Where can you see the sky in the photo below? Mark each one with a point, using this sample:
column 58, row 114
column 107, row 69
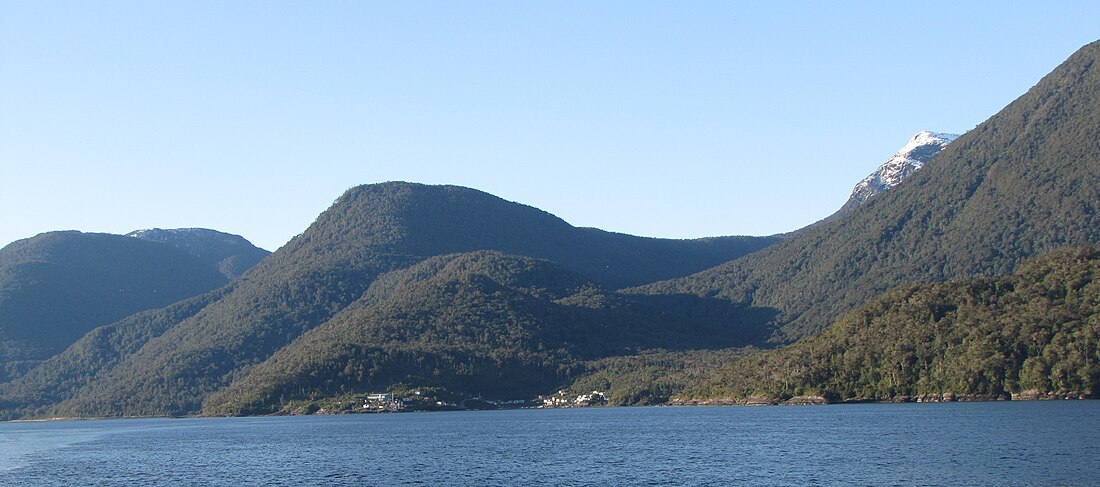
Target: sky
column 662, row 119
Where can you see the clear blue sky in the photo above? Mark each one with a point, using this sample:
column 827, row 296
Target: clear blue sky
column 667, row 119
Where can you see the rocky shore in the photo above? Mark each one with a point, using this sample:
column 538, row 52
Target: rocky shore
column 753, row 401
column 1032, row 395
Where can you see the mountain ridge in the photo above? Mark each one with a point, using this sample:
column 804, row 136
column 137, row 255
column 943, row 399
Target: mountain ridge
column 57, row 286
column 1018, row 185
column 231, row 254
column 369, row 231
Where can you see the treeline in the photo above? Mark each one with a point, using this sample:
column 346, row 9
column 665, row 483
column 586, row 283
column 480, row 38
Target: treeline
column 652, row 377
column 1034, row 332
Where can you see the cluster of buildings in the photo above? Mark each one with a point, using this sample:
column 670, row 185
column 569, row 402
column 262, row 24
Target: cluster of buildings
column 387, row 402
column 565, row 400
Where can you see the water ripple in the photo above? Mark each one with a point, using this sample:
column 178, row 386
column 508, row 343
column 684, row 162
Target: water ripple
column 1049, row 443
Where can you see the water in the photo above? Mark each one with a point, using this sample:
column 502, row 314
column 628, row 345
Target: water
column 1014, row 443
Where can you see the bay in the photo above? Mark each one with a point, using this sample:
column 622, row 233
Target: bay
column 1007, row 443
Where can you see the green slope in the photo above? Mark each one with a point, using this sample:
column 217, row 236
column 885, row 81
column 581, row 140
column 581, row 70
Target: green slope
column 61, row 376
column 57, row 286
column 411, row 222
column 476, row 324
column 1034, row 332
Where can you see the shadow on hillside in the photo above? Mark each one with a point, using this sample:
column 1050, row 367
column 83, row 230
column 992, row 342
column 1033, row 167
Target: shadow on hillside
column 695, row 322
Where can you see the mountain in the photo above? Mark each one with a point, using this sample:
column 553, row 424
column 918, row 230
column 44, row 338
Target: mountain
column 61, row 376
column 477, row 324
column 231, row 254
column 1031, row 334
column 399, row 223
column 57, row 286
column 367, row 232
column 898, row 167
column 1024, row 182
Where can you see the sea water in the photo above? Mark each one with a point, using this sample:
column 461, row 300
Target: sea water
column 1005, row 443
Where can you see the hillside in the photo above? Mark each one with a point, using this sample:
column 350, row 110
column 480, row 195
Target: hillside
column 63, row 375
column 409, row 222
column 1020, row 184
column 480, row 324
column 57, row 286
column 231, row 254
column 369, row 231
column 1035, row 333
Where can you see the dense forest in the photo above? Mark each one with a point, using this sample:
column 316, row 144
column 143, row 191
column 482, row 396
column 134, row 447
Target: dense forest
column 479, row 323
column 57, row 286
column 1035, row 333
column 62, row 376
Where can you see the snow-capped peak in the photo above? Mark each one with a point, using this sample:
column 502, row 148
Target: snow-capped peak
column 925, row 138
column 195, row 241
column 901, row 165
column 162, row 233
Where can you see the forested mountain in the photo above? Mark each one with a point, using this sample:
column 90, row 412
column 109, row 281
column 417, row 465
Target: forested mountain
column 231, row 254
column 399, row 223
column 482, row 323
column 57, row 286
column 60, row 377
column 1022, row 183
column 368, row 231
column 1034, row 333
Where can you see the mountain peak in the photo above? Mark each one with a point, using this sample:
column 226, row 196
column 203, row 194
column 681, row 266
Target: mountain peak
column 924, row 138
column 907, row 160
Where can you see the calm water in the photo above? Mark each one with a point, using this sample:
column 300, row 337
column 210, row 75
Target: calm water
column 1017, row 443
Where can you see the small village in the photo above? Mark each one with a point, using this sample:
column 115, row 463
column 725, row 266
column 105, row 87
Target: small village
column 564, row 400
column 418, row 401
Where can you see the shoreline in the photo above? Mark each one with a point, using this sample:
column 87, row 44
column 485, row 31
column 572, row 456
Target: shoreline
column 756, row 401
column 922, row 398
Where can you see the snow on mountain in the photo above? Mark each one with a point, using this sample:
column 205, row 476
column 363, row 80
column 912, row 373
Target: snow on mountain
column 901, row 165
column 191, row 240
column 231, row 254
